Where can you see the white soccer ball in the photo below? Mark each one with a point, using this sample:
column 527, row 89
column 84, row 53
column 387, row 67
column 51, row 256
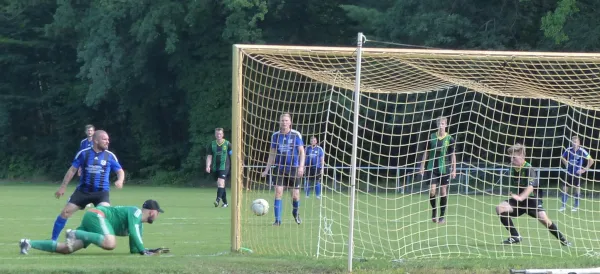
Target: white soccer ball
column 260, row 207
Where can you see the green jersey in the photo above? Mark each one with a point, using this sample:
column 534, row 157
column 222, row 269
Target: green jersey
column 221, row 159
column 522, row 177
column 440, row 151
column 125, row 221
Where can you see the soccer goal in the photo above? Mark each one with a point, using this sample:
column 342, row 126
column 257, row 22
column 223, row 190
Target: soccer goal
column 373, row 110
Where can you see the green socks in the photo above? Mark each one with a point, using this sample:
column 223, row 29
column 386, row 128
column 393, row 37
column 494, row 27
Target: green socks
column 44, row 245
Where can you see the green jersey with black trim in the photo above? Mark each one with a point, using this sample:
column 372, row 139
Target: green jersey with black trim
column 221, row 159
column 440, row 152
column 522, row 177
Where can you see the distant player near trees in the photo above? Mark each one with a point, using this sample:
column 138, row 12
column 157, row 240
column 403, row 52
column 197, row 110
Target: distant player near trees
column 87, row 142
column 573, row 158
column 218, row 162
column 438, row 166
column 526, row 198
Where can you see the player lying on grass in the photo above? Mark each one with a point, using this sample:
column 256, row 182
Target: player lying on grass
column 526, row 199
column 100, row 226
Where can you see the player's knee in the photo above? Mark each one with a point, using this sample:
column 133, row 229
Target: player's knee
column 109, row 243
column 296, row 194
column 500, row 209
column 66, row 213
column 62, row 249
column 432, row 193
column 278, row 191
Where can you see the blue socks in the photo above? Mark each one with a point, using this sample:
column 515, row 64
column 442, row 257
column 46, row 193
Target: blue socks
column 565, row 197
column 307, row 187
column 277, row 210
column 577, row 199
column 59, row 224
column 318, row 188
column 295, row 205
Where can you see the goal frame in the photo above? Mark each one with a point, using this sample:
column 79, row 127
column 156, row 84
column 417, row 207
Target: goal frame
column 237, row 165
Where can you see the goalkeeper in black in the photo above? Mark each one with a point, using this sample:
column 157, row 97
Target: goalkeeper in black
column 526, row 197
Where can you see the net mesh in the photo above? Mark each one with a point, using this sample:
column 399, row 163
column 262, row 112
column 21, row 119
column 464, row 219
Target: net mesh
column 491, row 99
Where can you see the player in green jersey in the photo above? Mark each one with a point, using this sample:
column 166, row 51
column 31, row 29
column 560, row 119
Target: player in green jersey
column 525, row 198
column 101, row 226
column 438, row 167
column 218, row 162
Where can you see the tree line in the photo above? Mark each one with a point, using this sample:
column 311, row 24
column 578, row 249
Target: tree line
column 157, row 74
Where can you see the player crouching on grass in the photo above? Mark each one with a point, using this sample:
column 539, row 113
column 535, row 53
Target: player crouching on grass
column 100, row 226
column 523, row 177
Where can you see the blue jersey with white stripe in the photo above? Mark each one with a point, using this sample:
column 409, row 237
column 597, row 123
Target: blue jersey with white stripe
column 96, row 168
column 575, row 159
column 287, row 145
column 314, row 156
column 85, row 143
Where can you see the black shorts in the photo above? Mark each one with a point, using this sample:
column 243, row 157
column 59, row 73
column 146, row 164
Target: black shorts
column 530, row 206
column 434, row 177
column 572, row 180
column 81, row 199
column 313, row 172
column 220, row 174
column 286, row 177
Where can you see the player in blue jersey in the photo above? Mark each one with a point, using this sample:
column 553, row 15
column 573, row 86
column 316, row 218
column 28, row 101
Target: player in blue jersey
column 87, row 142
column 96, row 162
column 573, row 159
column 287, row 154
column 315, row 160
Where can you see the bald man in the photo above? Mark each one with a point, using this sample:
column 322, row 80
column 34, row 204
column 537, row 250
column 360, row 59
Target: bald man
column 96, row 163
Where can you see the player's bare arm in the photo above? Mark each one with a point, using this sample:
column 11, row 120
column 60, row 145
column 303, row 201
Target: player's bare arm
column 564, row 161
column 120, row 178
column 590, row 162
column 208, row 163
column 302, row 157
column 422, row 170
column 523, row 195
column 270, row 161
column 66, row 180
column 453, row 172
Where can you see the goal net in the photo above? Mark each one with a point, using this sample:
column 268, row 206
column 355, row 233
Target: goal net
column 491, row 100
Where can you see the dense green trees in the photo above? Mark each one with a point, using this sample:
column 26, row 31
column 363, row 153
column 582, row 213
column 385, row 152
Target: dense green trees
column 156, row 74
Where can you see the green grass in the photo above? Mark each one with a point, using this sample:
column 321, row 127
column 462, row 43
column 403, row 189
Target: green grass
column 199, row 237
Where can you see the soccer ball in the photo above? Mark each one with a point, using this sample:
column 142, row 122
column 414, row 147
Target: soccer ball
column 260, row 207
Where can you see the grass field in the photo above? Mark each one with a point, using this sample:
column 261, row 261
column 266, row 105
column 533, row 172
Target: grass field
column 198, row 235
